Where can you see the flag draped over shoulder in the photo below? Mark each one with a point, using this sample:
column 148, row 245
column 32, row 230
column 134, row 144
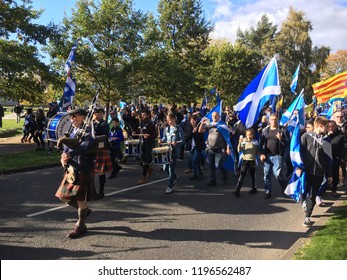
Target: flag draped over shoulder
column 265, row 86
column 224, row 131
column 70, row 85
column 331, row 87
column 294, row 83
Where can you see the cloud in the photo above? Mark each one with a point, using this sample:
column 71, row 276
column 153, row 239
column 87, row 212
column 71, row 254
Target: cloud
column 327, row 17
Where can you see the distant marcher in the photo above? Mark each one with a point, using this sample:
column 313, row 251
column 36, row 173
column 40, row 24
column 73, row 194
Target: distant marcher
column 18, row 109
column 116, row 137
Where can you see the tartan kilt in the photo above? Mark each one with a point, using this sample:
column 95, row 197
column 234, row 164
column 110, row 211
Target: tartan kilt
column 103, row 162
column 83, row 191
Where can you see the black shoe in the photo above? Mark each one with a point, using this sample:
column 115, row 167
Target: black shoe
column 100, row 196
column 267, row 195
column 236, row 193
column 253, row 191
column 211, row 183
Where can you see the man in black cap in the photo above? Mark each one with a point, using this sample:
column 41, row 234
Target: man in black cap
column 103, row 161
column 77, row 187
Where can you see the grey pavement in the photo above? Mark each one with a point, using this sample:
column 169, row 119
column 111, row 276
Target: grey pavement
column 141, row 222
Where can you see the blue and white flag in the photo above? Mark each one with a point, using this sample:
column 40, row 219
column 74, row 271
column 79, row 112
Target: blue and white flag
column 294, row 83
column 265, row 86
column 70, row 85
column 295, row 155
column 296, row 186
column 217, row 108
column 122, row 104
column 217, row 97
column 298, row 104
column 213, row 90
column 203, row 108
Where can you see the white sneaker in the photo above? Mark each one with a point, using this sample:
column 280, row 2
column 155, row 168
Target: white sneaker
column 168, row 190
column 304, row 206
column 319, row 201
column 307, row 222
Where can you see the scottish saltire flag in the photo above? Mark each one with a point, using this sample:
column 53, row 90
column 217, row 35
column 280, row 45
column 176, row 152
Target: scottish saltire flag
column 294, row 83
column 217, row 108
column 213, row 90
column 224, row 131
column 297, row 104
column 265, row 86
column 217, row 98
column 70, row 84
column 295, row 155
column 273, row 104
column 296, row 186
column 203, row 108
column 122, row 104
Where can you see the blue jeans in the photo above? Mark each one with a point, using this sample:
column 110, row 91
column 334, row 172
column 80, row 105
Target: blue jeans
column 170, row 169
column 195, row 158
column 216, row 159
column 274, row 164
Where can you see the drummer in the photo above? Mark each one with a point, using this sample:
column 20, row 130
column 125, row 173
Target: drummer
column 147, row 133
column 173, row 135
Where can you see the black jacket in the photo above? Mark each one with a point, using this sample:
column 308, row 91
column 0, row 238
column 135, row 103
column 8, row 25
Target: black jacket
column 316, row 154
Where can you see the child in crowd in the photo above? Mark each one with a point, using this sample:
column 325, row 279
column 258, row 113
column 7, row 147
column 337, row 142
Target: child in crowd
column 248, row 148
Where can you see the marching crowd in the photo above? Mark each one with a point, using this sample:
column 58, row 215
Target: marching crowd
column 212, row 140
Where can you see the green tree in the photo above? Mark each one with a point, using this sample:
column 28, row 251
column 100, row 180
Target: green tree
column 254, row 38
column 184, row 35
column 293, row 45
column 335, row 63
column 232, row 69
column 110, row 34
column 23, row 76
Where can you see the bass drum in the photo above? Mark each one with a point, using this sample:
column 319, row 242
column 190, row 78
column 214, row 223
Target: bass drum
column 58, row 125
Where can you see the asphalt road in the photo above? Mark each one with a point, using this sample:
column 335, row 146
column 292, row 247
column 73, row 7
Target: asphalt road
column 142, row 222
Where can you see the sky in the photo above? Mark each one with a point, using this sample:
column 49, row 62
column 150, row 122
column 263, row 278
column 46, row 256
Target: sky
column 328, row 17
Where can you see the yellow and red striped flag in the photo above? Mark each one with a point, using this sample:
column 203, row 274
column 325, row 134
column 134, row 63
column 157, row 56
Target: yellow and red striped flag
column 331, row 87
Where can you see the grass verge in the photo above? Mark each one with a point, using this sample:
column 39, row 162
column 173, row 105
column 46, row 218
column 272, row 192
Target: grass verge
column 329, row 243
column 10, row 128
column 11, row 162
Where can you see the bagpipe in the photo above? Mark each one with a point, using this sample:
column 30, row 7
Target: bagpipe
column 99, row 142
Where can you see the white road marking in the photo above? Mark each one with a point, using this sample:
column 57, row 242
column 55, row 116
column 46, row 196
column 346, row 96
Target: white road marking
column 108, row 194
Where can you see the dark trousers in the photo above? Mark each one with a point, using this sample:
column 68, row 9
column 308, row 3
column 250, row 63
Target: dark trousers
column 313, row 183
column 336, row 168
column 247, row 165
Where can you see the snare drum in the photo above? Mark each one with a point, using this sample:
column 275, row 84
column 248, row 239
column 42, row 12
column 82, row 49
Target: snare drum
column 132, row 147
column 58, row 125
column 161, row 155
